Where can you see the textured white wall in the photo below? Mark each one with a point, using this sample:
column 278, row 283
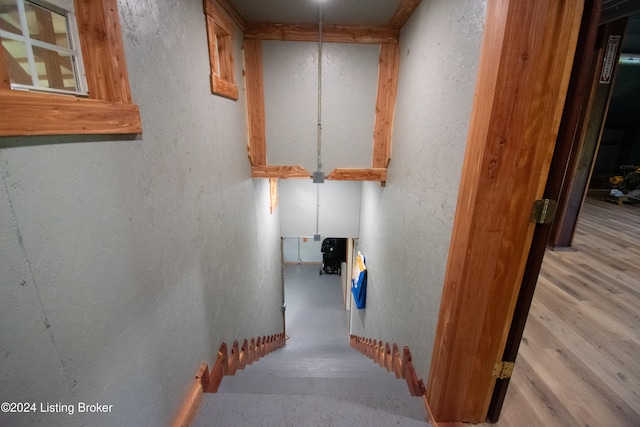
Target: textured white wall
column 339, row 208
column 349, row 84
column 406, row 226
column 126, row 262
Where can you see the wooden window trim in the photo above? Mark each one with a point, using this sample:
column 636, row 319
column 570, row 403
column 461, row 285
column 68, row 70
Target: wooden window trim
column 220, row 34
column 273, row 194
column 108, row 109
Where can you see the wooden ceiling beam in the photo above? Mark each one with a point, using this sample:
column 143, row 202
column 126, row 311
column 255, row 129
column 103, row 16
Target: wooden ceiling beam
column 403, row 14
column 358, row 174
column 283, row 172
column 330, row 33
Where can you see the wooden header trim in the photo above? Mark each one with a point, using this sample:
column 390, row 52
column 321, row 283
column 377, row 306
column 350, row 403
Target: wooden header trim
column 231, row 12
column 389, row 66
column 330, row 33
column 358, row 174
column 403, row 14
column 216, row 10
column 284, row 172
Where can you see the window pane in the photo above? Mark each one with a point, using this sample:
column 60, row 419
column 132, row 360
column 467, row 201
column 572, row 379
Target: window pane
column 55, row 70
column 9, row 19
column 15, row 56
column 46, row 25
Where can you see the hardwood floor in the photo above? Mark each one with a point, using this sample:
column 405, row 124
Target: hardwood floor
column 579, row 361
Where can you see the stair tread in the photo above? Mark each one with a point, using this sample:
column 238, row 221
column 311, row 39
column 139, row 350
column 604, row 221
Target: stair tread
column 303, row 410
column 380, row 386
column 319, row 364
column 337, row 372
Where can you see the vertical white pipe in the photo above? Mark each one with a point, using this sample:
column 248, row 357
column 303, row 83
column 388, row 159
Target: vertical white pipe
column 319, row 86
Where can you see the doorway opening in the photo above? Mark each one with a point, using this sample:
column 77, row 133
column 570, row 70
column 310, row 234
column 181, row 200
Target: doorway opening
column 316, row 291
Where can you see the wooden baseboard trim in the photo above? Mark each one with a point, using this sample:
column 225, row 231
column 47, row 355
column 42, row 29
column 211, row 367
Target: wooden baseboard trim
column 192, row 400
column 389, row 357
column 208, row 382
column 435, row 423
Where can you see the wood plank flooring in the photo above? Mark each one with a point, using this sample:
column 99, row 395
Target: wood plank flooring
column 579, row 361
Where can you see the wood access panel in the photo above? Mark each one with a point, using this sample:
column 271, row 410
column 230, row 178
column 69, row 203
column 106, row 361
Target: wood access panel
column 524, row 71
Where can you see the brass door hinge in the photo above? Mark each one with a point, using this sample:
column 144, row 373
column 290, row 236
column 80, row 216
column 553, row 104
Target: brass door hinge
column 502, row 370
column 543, row 211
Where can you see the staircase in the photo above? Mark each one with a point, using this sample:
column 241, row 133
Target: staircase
column 317, row 379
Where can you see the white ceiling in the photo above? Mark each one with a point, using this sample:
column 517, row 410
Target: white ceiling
column 337, row 12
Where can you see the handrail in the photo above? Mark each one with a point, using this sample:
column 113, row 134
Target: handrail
column 208, row 382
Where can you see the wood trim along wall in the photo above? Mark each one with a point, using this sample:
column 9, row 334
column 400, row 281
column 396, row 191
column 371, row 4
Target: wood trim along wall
column 330, row 33
column 254, row 81
column 221, row 28
column 403, row 13
column 525, row 64
column 208, row 382
column 389, row 357
column 102, row 50
column 388, row 70
column 191, row 403
column 389, row 64
column 385, row 104
column 401, row 365
column 109, row 108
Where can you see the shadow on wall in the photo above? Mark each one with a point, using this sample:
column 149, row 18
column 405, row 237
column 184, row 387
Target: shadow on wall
column 31, row 141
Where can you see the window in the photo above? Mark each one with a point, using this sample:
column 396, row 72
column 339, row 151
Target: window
column 41, row 47
column 220, row 28
column 40, row 44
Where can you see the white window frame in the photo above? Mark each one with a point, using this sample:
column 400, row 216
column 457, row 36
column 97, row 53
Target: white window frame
column 62, row 7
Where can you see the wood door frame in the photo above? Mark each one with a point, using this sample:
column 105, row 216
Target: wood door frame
column 585, row 110
column 524, row 71
column 573, row 119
